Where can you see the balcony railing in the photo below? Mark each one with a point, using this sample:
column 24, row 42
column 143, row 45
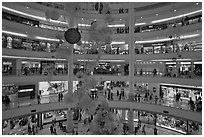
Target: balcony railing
column 54, row 98
column 140, row 73
column 34, row 72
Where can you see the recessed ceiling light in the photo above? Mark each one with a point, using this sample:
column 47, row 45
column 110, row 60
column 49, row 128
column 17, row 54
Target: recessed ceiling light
column 197, row 3
column 26, row 32
column 27, row 7
column 120, row 19
column 141, row 17
column 174, row 10
column 157, row 14
column 82, row 18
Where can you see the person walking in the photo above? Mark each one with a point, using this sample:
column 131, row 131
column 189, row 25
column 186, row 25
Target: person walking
column 61, row 96
column 7, row 101
column 155, row 131
column 51, row 129
column 38, row 98
column 191, row 104
column 143, row 130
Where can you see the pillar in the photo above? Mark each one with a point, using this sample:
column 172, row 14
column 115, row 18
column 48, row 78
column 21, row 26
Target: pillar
column 130, row 120
column 178, row 68
column 39, row 117
column 70, row 60
column 16, row 65
column 192, row 69
column 131, row 45
column 123, row 114
column 187, row 127
column 69, row 123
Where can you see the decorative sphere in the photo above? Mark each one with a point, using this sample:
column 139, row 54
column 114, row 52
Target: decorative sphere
column 72, row 35
column 54, row 15
column 47, row 14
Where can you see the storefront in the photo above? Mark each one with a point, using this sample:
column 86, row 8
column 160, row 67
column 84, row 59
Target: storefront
column 26, row 91
column 18, row 91
column 186, row 91
column 52, row 87
column 47, row 88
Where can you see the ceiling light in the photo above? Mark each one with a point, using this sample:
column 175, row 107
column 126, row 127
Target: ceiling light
column 175, row 17
column 171, row 60
column 197, row 3
column 141, row 17
column 84, row 25
column 33, row 16
column 180, row 85
column 117, row 25
column 27, row 7
column 157, row 14
column 174, row 10
column 138, row 24
column 5, row 56
column 167, row 39
column 120, row 19
column 50, row 39
column 115, row 42
column 14, row 33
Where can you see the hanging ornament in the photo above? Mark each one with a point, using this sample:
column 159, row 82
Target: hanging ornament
column 72, row 7
column 80, row 74
column 108, row 40
column 64, row 51
column 48, row 14
column 79, row 43
column 108, row 18
column 106, row 8
column 72, row 35
column 69, row 98
column 59, row 36
column 54, row 15
column 85, row 101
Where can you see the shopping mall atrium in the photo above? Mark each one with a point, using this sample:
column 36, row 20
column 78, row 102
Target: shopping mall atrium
column 101, row 68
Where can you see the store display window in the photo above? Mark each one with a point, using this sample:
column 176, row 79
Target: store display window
column 186, row 93
column 194, row 128
column 26, row 90
column 53, row 87
column 171, row 123
column 58, row 115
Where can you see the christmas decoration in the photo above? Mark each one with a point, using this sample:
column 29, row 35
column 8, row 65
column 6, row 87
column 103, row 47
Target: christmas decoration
column 72, row 35
column 54, row 15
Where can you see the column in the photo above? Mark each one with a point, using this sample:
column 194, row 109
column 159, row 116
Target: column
column 131, row 45
column 39, row 124
column 178, row 68
column 69, row 123
column 16, row 65
column 187, row 127
column 70, row 60
column 130, row 120
column 192, row 69
column 123, row 114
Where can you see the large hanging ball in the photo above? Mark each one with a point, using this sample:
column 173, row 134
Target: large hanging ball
column 55, row 15
column 72, row 35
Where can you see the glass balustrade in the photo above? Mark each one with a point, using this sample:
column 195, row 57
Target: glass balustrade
column 111, row 97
